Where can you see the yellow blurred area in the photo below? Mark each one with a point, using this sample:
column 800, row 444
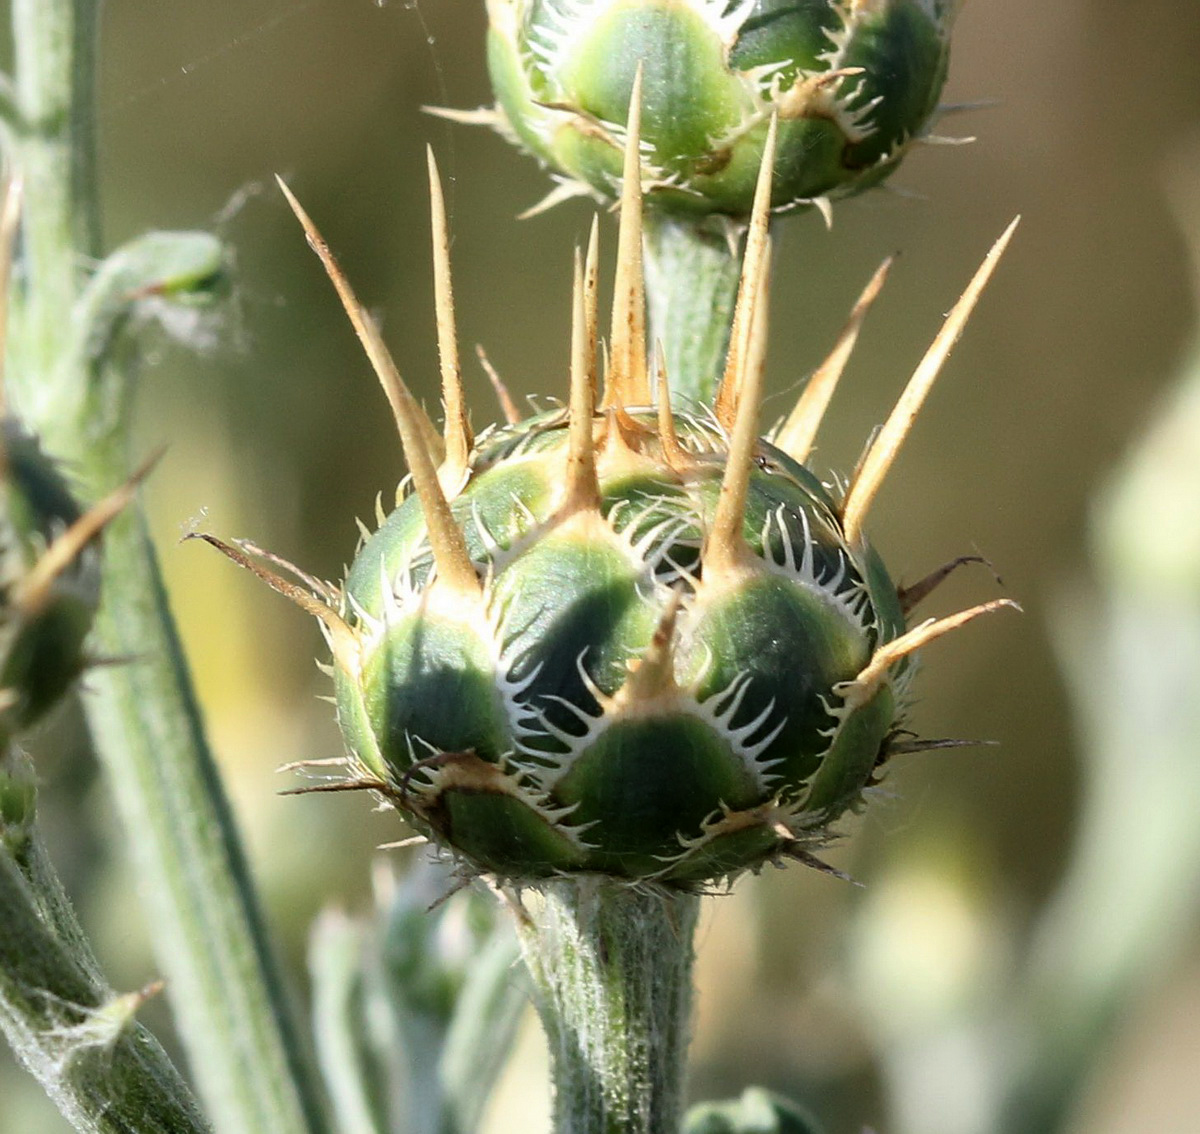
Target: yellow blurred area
column 278, row 433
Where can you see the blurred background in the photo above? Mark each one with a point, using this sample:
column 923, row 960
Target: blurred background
column 857, row 999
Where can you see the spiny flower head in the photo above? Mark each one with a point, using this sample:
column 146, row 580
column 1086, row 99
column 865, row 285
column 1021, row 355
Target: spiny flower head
column 49, row 559
column 620, row 636
column 854, row 84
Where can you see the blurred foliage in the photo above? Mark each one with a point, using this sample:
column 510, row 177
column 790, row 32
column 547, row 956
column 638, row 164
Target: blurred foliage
column 280, row 433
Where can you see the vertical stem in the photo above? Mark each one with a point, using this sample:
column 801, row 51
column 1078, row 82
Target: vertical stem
column 612, row 964
column 53, row 42
column 200, row 904
column 691, row 285
column 102, row 1069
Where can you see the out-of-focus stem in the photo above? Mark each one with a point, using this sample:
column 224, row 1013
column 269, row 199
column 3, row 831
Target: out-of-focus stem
column 53, row 45
column 1131, row 653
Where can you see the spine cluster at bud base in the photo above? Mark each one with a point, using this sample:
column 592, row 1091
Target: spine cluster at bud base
column 621, row 638
column 854, row 84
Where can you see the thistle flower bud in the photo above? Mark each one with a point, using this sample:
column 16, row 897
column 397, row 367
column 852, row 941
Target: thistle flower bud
column 46, row 602
column 854, row 83
column 616, row 637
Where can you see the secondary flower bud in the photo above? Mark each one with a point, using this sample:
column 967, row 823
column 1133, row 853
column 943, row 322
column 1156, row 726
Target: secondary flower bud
column 853, row 82
column 46, row 609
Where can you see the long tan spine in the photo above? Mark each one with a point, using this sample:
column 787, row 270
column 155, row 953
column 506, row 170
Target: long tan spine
column 591, row 298
column 343, row 640
column 652, row 676
column 33, row 591
column 863, row 687
column 457, row 436
column 668, row 437
column 508, row 407
column 626, row 382
column 583, row 489
column 796, row 435
column 758, row 239
column 726, row 547
column 449, row 547
column 882, row 454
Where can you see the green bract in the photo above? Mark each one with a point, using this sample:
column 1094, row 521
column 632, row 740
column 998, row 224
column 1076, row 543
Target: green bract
column 854, row 83
column 606, row 702
column 45, row 614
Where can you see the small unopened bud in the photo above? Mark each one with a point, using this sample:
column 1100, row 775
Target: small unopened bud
column 853, row 82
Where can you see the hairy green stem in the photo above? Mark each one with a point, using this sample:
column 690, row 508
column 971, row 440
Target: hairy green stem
column 53, row 42
column 200, row 904
column 691, row 287
column 208, row 930
column 103, row 1070
column 612, row 965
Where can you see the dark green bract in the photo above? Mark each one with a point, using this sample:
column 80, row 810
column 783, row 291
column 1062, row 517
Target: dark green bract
column 854, row 83
column 607, row 704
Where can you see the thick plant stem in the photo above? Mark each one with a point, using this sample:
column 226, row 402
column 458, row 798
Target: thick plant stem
column 73, row 390
column 691, row 286
column 612, row 965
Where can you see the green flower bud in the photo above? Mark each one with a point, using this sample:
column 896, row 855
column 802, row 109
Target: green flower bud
column 616, row 637
column 854, row 83
column 46, row 610
column 614, row 697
